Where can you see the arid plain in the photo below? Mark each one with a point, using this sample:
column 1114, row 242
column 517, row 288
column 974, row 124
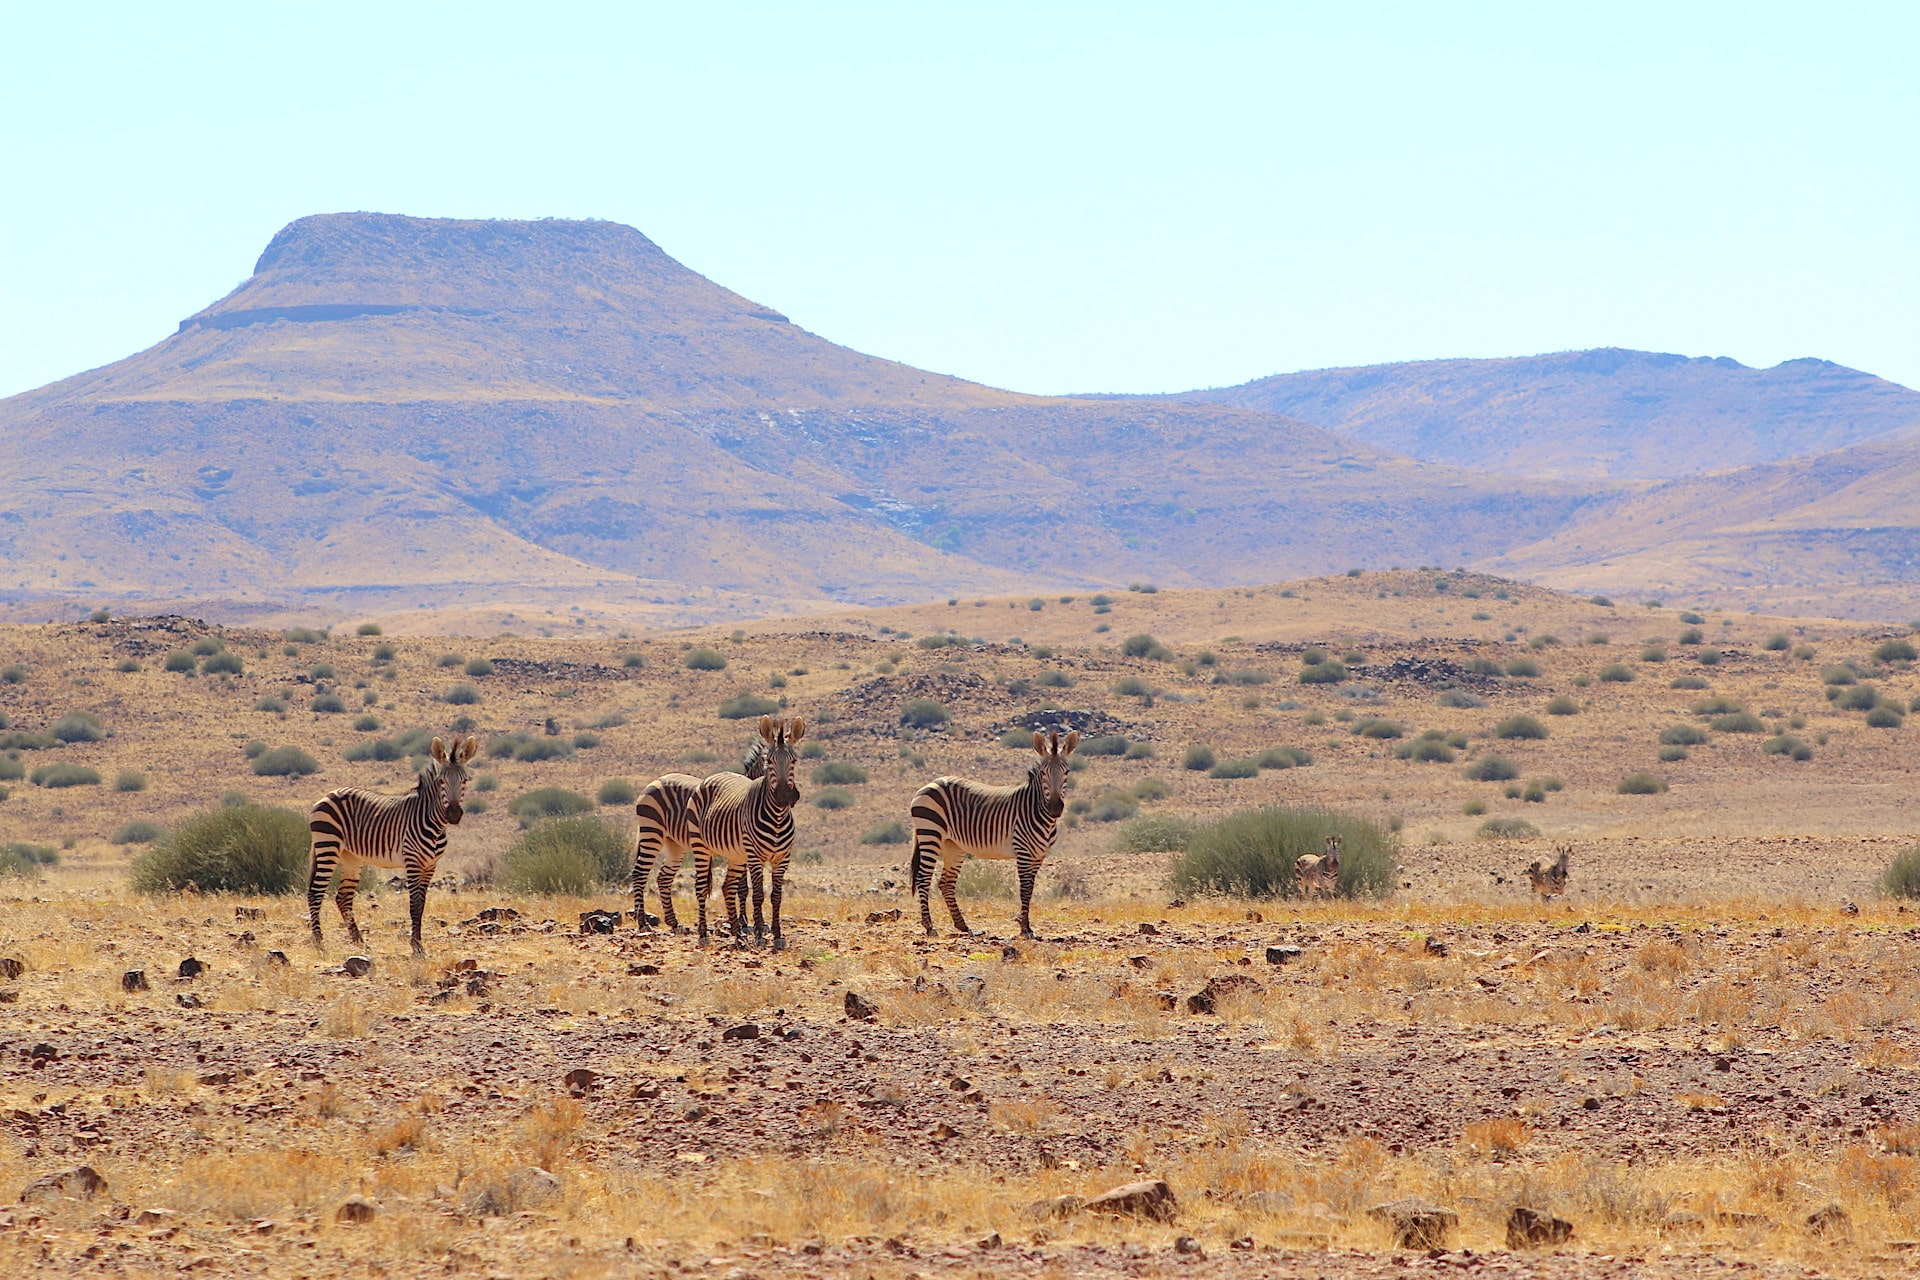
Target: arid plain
column 1704, row 1057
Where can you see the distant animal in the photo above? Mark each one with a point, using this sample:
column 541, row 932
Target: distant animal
column 1551, row 881
column 1318, row 874
column 954, row 819
column 748, row 821
column 668, row 826
column 352, row 827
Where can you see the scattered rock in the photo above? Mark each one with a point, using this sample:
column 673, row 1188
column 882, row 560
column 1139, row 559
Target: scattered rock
column 973, row 987
column 357, row 966
column 1682, row 1220
column 1243, row 1245
column 278, row 957
column 643, row 970
column 355, row 1209
column 1057, row 1208
column 1415, row 1223
column 532, row 1185
column 134, row 980
column 1207, row 998
column 1267, row 1202
column 1140, row 961
column 943, row 1131
column 249, row 913
column 11, row 968
column 1281, row 953
column 246, row 939
column 883, row 917
column 1435, row 948
column 1152, row 1199
column 78, row 1183
column 493, row 915
column 152, row 1217
column 745, row 1031
column 1530, row 1228
column 1189, row 1246
column 861, row 1009
column 217, row 1078
column 990, row 1242
column 1735, row 1218
column 10, row 996
column 1831, row 1222
column 191, row 968
column 581, row 1081
column 188, row 1000
column 1009, row 953
column 599, row 921
column 1148, row 929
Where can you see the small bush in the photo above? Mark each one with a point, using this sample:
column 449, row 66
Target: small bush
column 270, row 702
column 179, row 660
column 1251, row 854
column 1641, row 784
column 705, row 660
column 1235, row 769
column 1901, row 879
column 479, row 668
column 1688, row 682
column 1683, row 735
column 139, row 831
column 1507, row 829
column 1778, row 643
column 586, row 740
column 1139, row 751
column 1708, row 657
column 1562, row 705
column 1519, row 727
column 11, row 770
column 1837, row 675
column 127, row 665
column 923, row 713
column 1692, row 636
column 1327, row 672
column 1199, row 758
column 383, row 653
column 368, row 629
column 1862, row 697
column 1373, row 727
column 77, row 726
column 206, row 646
column 548, row 802
column 1524, row 668
column 747, row 706
column 839, row 773
column 303, row 635
column 1054, row 680
column 616, row 791
column 1132, row 687
column 461, row 695
column 449, row 660
column 1106, row 745
column 1151, row 789
column 532, row 750
column 575, row 855
column 228, row 664
column 1160, row 834
column 244, row 848
column 1284, row 758
column 1474, row 808
column 1492, row 768
column 1884, row 717
column 833, row 798
column 1893, row 651
column 894, row 832
column 1786, row 744
column 14, row 673
column 1737, row 722
column 1670, row 754
column 327, row 704
column 1145, row 646
column 1617, row 673
column 1114, row 806
column 1691, row 618
column 285, row 762
column 130, row 780
column 1465, row 698
column 1426, row 751
column 63, row 774
column 24, row 860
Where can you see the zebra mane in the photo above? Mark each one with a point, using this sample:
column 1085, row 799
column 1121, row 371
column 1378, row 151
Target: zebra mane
column 755, row 763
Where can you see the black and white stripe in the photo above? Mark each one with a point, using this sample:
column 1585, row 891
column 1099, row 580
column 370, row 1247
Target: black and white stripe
column 748, row 822
column 954, row 819
column 351, row 827
column 669, row 822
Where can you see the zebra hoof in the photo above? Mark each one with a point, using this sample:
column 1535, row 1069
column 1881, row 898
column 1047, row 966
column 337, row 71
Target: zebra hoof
column 779, row 943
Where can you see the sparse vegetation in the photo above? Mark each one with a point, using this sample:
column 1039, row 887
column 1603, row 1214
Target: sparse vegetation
column 63, row 774
column 1506, row 829
column 832, row 798
column 1641, row 784
column 245, row 848
column 284, row 762
column 574, row 855
column 1145, row 646
column 705, row 660
column 542, row 803
column 1324, row 672
column 616, row 791
column 1199, row 758
column 747, row 706
column 1519, row 727
column 138, row 831
column 923, row 713
column 1492, row 768
column 1562, row 705
column 838, row 773
column 1251, row 854
column 891, row 832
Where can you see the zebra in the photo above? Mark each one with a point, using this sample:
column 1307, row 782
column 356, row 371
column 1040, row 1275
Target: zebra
column 1550, row 882
column 352, row 826
column 747, row 820
column 954, row 819
column 1318, row 874
column 668, row 828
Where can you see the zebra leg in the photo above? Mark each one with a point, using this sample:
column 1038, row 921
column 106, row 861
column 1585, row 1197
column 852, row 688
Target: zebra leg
column 756, row 877
column 669, row 872
column 343, row 898
column 925, row 854
column 779, row 883
column 702, row 886
column 1028, row 871
column 949, row 878
column 642, row 871
column 326, row 853
column 417, row 879
column 734, row 890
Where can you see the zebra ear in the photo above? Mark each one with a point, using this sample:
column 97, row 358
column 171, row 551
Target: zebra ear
column 465, row 750
column 1040, row 743
column 797, row 730
column 1073, row 740
column 766, row 729
column 440, row 750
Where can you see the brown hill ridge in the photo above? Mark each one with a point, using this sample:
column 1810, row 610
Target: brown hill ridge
column 399, row 412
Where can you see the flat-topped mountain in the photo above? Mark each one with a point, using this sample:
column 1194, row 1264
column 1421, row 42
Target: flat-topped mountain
column 1607, row 414
column 404, row 411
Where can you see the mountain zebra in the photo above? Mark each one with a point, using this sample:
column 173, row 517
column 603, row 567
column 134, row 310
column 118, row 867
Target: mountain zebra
column 1318, row 874
column 954, row 818
column 1551, row 881
column 669, row 827
column 748, row 821
column 351, row 826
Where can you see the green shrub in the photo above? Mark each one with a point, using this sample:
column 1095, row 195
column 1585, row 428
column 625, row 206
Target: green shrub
column 1199, row 758
column 1506, row 829
column 1683, row 735
column 1114, row 806
column 1158, row 834
column 705, row 660
column 840, row 773
column 367, row 629
column 130, row 780
column 1862, row 697
column 586, row 740
column 1641, row 784
column 1246, row 676
column 747, row 706
column 14, row 673
column 548, row 802
column 1884, row 717
column 245, row 848
column 923, row 713
column 1709, row 657
column 1492, row 768
column 1616, row 673
column 1786, row 744
column 1901, row 879
column 1054, row 680
column 1461, row 698
column 270, row 702
column 223, row 664
column 633, row 661
column 1018, row 739
column 1778, row 642
column 27, row 740
column 1837, row 675
column 449, row 660
column 1653, row 653
column 253, row 749
column 1562, row 705
column 1426, row 751
column 62, row 774
column 1688, row 682
column 616, row 791
column 1737, row 722
column 1140, row 751
column 832, row 798
column 11, row 770
column 1106, row 745
column 366, row 724
column 24, row 860
column 138, row 831
column 327, row 704
column 1132, row 687
column 1328, row 672
column 479, row 667
column 1669, row 754
column 1284, row 758
column 78, row 726
column 1524, row 668
column 206, row 646
column 1692, row 635
column 1151, row 789
column 1312, row 656
column 1893, row 651
column 1474, row 808
column 894, row 832
column 383, row 653
column 575, row 856
column 1251, row 854
column 1145, row 646
column 1719, row 704
column 1690, row 617
column 303, row 635
column 285, row 762
column 414, row 742
column 1373, row 727
column 1519, row 727
column 535, row 750
column 1235, row 769
column 461, row 695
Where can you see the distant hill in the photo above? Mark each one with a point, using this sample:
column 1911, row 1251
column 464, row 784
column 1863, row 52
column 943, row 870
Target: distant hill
column 396, row 412
column 1607, row 414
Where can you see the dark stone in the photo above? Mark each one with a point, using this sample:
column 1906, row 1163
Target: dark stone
column 745, row 1031
column 1415, row 1223
column 80, row 1182
column 1152, row 1199
column 135, row 980
column 599, row 921
column 861, row 1009
column 1529, row 1228
column 356, row 966
column 191, row 968
column 1281, row 953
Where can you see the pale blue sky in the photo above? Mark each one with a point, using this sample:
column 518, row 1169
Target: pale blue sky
column 1045, row 197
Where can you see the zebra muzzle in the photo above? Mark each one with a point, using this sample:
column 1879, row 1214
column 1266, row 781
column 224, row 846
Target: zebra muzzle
column 1055, row 806
column 786, row 797
column 453, row 815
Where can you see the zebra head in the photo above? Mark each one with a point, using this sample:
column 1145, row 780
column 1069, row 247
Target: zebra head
column 445, row 781
column 778, row 738
column 1051, row 769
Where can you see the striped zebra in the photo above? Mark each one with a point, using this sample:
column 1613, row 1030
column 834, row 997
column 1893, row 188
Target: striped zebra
column 748, row 822
column 668, row 828
column 954, row 818
column 1317, row 875
column 351, row 827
